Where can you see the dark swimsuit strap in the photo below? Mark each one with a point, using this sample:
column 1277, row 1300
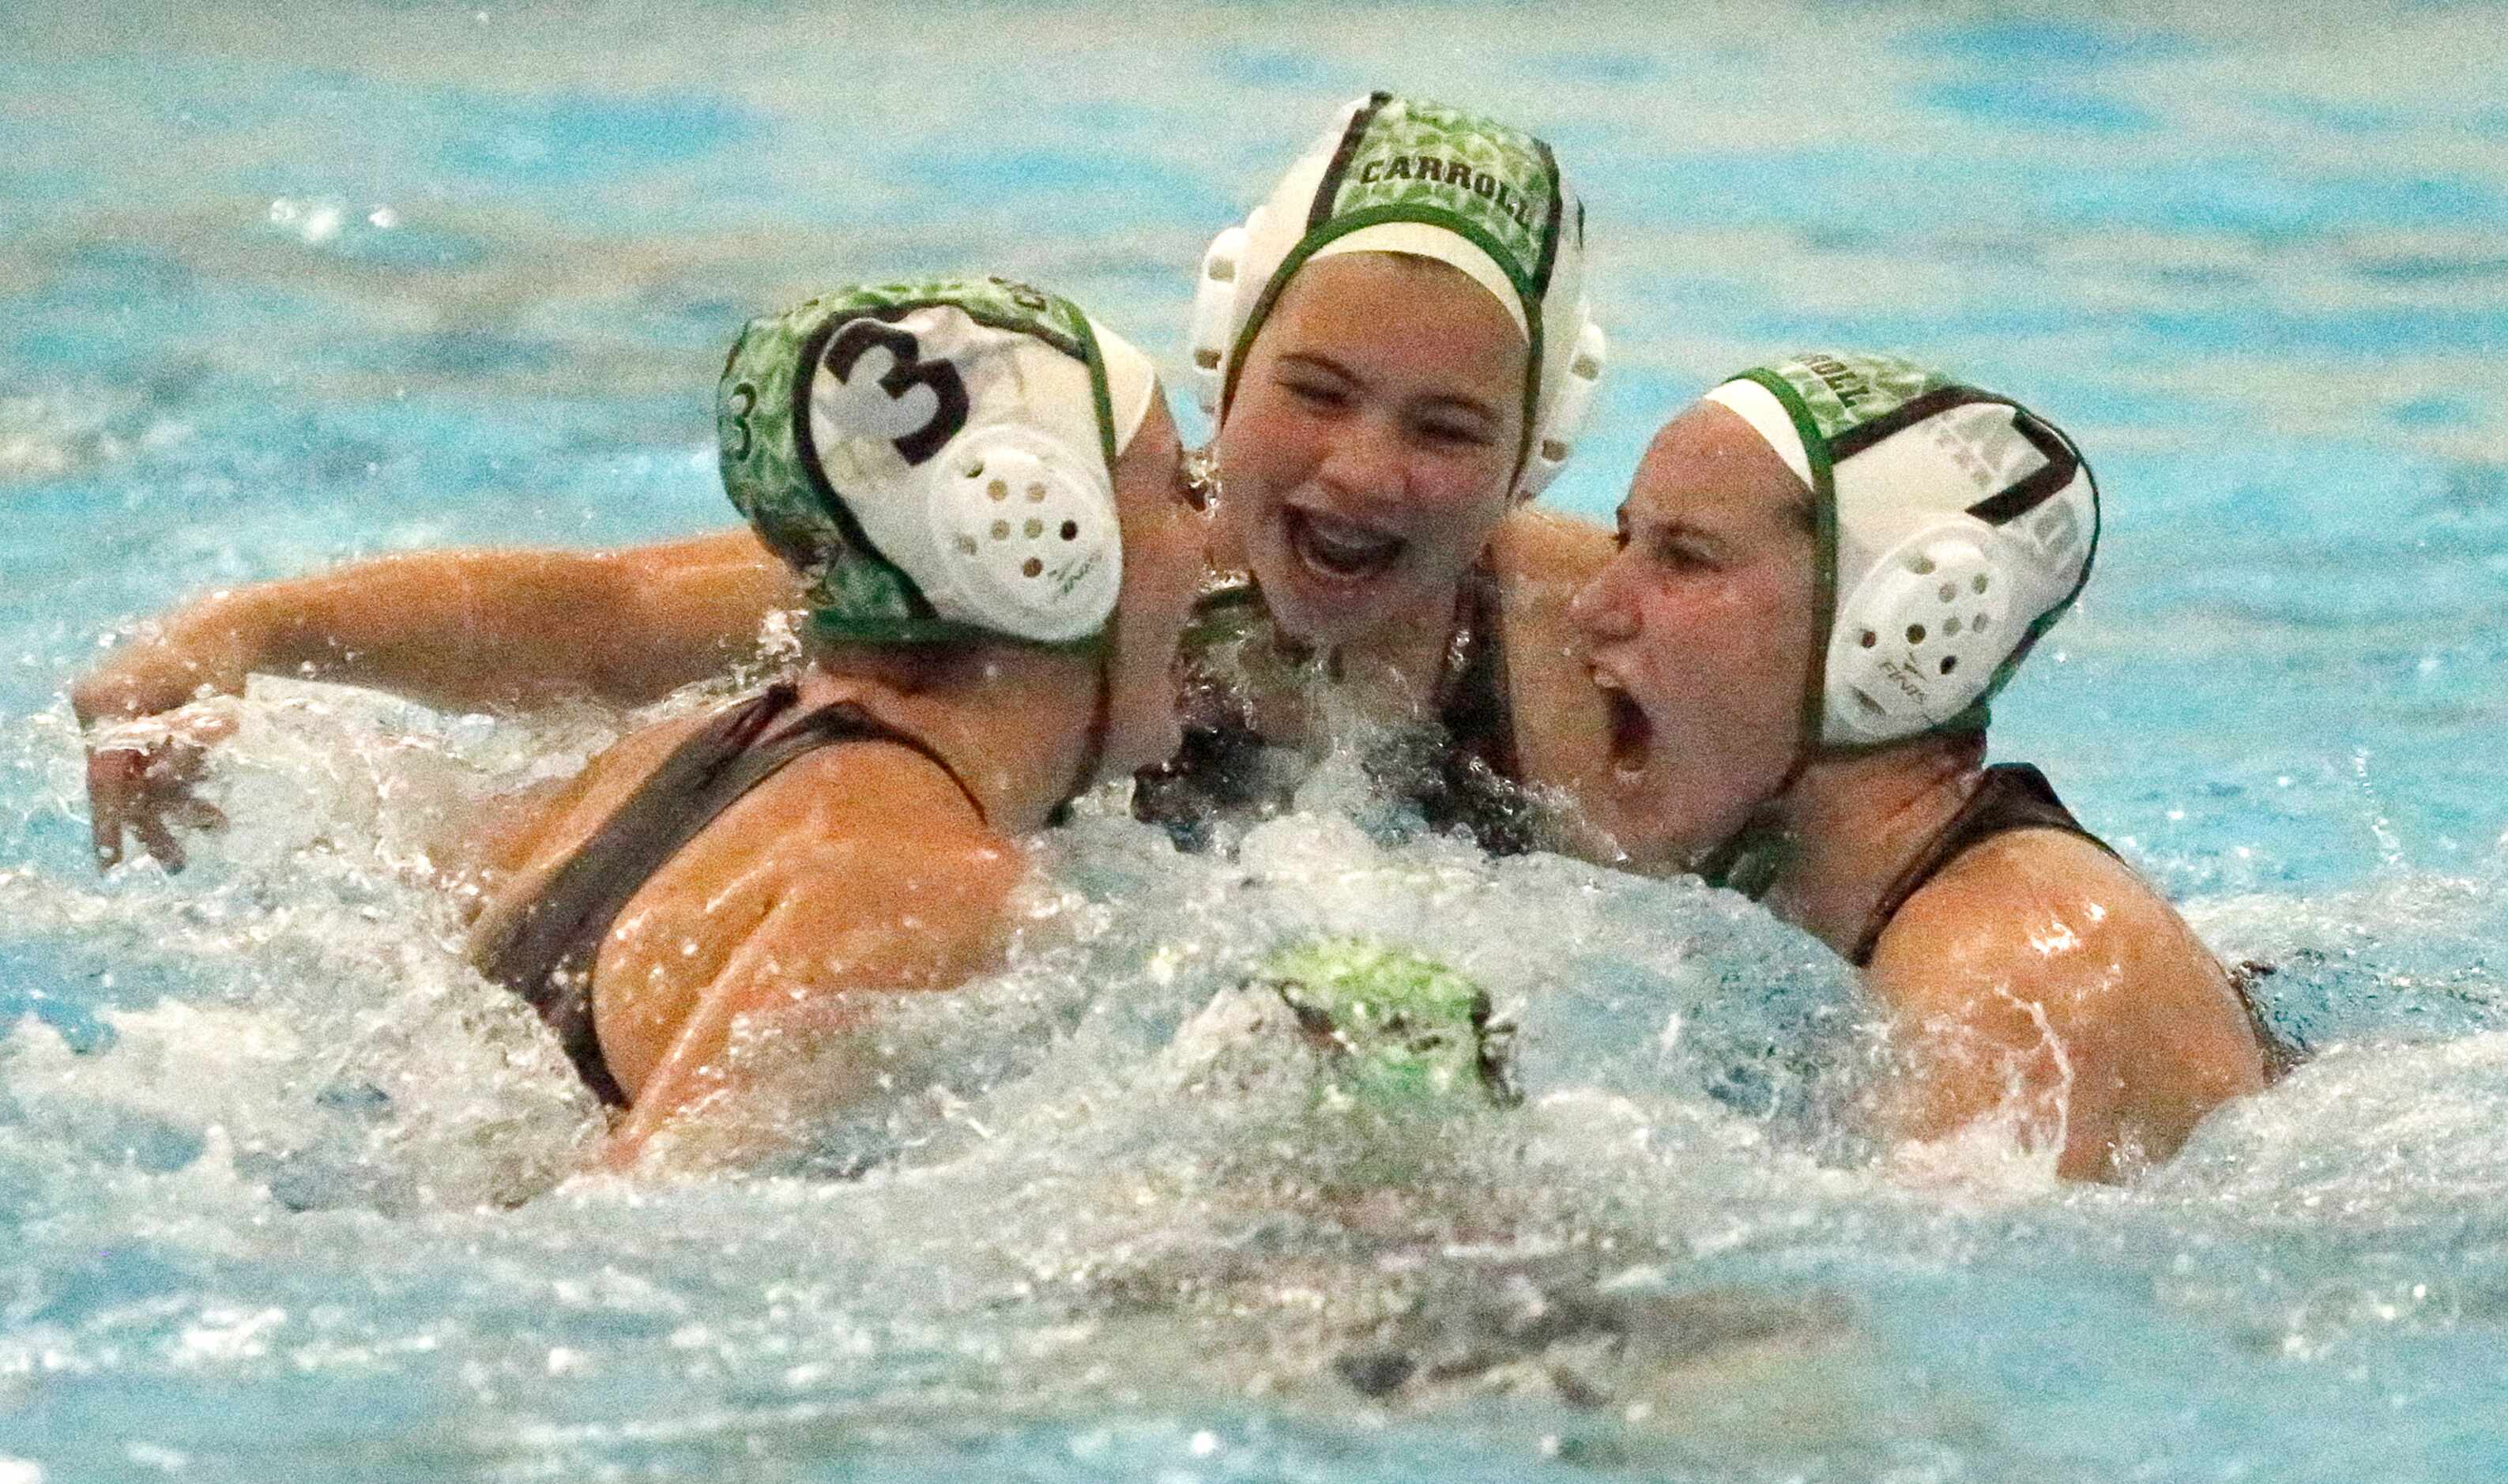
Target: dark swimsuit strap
column 1479, row 772
column 2013, row 796
column 1473, row 702
column 547, row 954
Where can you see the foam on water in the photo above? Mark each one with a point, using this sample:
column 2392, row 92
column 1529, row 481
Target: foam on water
column 292, row 1173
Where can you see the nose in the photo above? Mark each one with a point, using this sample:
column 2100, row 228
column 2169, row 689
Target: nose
column 1366, row 459
column 1600, row 609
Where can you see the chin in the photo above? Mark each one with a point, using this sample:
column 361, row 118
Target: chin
column 1633, row 829
column 1324, row 626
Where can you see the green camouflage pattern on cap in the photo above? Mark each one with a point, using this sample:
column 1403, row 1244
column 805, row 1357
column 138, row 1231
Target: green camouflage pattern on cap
column 1404, row 166
column 1845, row 390
column 1410, row 1030
column 854, row 592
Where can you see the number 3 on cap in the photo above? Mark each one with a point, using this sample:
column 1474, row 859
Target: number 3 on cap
column 907, row 370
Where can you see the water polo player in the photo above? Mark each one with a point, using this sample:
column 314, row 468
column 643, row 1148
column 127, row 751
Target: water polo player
column 1398, row 351
column 1827, row 570
column 983, row 502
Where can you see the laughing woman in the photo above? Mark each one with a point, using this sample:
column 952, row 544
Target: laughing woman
column 1398, row 351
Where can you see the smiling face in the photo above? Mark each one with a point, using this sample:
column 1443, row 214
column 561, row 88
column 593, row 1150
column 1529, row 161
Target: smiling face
column 1166, row 543
column 1371, row 444
column 1700, row 631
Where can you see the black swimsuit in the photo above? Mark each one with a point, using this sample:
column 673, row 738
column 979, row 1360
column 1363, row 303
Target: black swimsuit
column 2015, row 796
column 546, row 951
column 1477, row 783
column 1473, row 782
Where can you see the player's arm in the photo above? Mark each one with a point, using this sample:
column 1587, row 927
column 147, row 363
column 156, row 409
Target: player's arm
column 463, row 629
column 460, row 630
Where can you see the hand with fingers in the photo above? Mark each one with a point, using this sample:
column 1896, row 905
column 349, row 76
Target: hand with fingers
column 140, row 776
column 148, row 743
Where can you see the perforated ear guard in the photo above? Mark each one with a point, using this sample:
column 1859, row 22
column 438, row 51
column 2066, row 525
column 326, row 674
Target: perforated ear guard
column 1919, row 639
column 1214, row 311
column 1026, row 535
column 944, row 474
column 1571, row 408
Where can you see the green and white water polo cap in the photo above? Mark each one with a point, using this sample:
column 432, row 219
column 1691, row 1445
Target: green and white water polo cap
column 937, row 457
column 1402, row 1028
column 1397, row 174
column 1955, row 527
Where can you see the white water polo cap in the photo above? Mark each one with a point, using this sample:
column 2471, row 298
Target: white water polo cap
column 1397, row 174
column 1955, row 527
column 937, row 457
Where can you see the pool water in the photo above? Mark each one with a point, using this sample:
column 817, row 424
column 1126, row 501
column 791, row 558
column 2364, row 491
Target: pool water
column 282, row 1183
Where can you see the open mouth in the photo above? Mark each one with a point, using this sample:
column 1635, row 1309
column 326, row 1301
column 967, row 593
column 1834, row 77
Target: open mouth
column 1340, row 549
column 1632, row 733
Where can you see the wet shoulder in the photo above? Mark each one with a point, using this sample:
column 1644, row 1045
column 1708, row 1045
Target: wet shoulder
column 879, row 807
column 2012, row 905
column 1549, row 550
column 2050, row 922
column 1541, row 559
column 862, row 858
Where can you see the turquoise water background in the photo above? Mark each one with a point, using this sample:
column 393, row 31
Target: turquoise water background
column 282, row 285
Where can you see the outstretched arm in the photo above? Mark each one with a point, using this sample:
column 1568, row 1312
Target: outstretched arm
column 464, row 630
column 460, row 630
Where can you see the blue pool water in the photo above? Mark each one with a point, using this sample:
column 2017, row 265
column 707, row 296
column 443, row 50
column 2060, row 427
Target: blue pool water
column 283, row 283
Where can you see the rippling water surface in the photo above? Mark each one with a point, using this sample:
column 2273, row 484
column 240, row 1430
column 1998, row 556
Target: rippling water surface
column 283, row 1185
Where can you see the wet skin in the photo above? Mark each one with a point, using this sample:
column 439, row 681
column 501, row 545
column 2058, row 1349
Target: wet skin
column 862, row 867
column 1701, row 634
column 1370, row 446
column 1369, row 455
column 2036, row 985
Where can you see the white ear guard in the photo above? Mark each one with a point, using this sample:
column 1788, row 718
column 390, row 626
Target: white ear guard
column 1570, row 409
column 971, row 460
column 1932, row 622
column 1921, row 636
column 1212, row 329
column 1026, row 535
column 1961, row 524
